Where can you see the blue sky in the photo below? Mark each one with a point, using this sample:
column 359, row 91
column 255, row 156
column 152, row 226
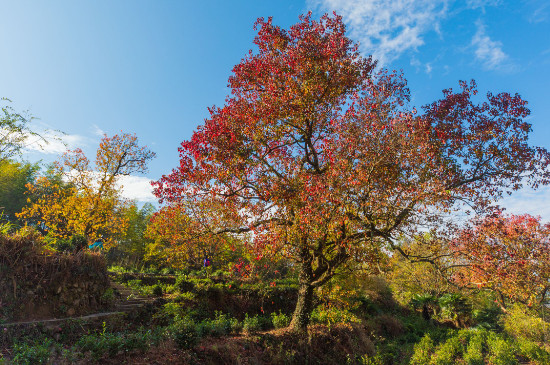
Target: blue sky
column 153, row 67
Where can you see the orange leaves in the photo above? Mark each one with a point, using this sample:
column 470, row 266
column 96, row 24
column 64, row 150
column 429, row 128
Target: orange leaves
column 88, row 201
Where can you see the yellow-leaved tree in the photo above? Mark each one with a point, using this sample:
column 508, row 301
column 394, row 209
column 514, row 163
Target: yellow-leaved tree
column 87, row 201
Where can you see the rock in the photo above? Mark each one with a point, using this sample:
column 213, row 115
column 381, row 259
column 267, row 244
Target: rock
column 71, row 312
column 58, row 291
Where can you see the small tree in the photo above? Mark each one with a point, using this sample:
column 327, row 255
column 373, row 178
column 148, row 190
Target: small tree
column 90, row 203
column 509, row 255
column 15, row 133
column 317, row 157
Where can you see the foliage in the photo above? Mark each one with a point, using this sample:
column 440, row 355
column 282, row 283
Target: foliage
column 331, row 315
column 476, row 347
column 251, row 324
column 15, row 133
column 455, row 307
column 132, row 242
column 422, row 271
column 107, row 343
column 323, row 160
column 507, row 254
column 13, row 179
column 184, row 334
column 90, row 205
column 280, row 320
column 522, row 322
column 32, row 353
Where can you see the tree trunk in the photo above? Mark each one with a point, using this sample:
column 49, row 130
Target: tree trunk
column 304, row 307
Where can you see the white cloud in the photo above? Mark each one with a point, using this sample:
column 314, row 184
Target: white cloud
column 387, row 29
column 526, row 200
column 487, row 51
column 137, row 188
column 474, row 4
column 428, row 68
column 54, row 142
column 540, row 14
column 98, row 131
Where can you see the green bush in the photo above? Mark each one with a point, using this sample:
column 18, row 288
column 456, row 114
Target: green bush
column 183, row 285
column 422, row 351
column 251, row 324
column 488, row 317
column 184, row 333
column 475, row 348
column 501, row 350
column 169, row 312
column 533, row 352
column 157, row 290
column 280, row 320
column 448, row 352
column 30, row 354
column 108, row 296
column 112, row 343
column 331, row 315
column 521, row 322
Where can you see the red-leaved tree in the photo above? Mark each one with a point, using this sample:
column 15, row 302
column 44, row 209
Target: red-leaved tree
column 507, row 254
column 317, row 156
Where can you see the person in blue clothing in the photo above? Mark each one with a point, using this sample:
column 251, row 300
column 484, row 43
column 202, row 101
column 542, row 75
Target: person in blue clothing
column 98, row 244
column 206, row 261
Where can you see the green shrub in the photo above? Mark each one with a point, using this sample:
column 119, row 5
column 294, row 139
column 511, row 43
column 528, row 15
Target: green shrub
column 501, row 351
column 108, row 296
column 448, row 352
column 30, row 354
column 522, row 322
column 184, row 333
column 187, row 296
column 251, row 324
column 533, row 352
column 170, row 312
column 157, row 290
column 280, row 320
column 488, row 317
column 331, row 315
column 112, row 343
column 422, row 351
column 183, row 285
column 475, row 348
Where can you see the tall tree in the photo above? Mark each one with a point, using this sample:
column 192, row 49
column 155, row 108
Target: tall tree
column 90, row 204
column 321, row 158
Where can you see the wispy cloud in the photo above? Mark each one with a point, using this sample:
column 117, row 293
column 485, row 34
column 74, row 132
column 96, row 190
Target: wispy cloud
column 385, row 28
column 488, row 51
column 534, row 202
column 540, row 14
column 474, row 4
column 53, row 142
column 98, row 131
